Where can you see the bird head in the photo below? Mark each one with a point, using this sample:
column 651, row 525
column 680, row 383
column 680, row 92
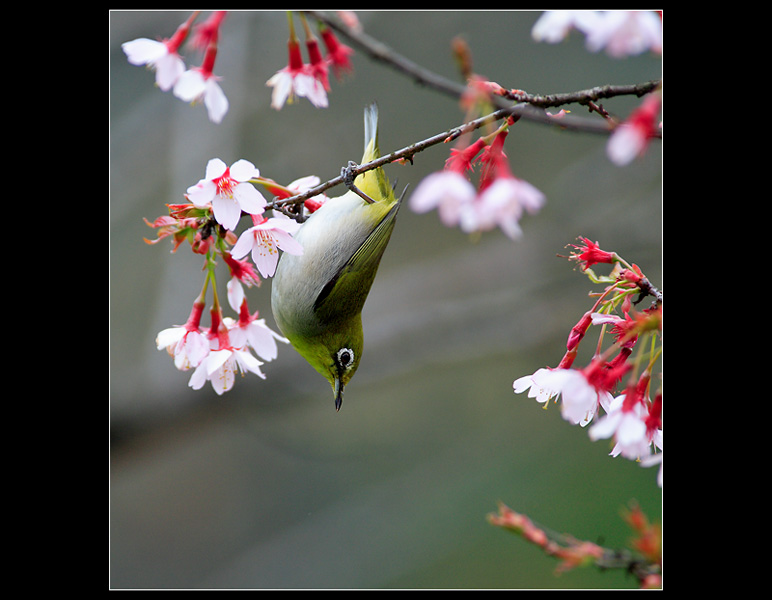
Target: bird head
column 335, row 355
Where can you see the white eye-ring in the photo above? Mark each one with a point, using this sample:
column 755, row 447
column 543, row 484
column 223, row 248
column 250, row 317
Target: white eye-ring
column 345, row 357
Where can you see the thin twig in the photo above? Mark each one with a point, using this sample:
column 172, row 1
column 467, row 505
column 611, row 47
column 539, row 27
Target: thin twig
column 405, row 153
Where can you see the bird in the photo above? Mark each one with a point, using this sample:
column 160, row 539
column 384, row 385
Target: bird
column 317, row 297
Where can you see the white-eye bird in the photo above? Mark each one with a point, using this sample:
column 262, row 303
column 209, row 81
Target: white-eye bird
column 317, row 297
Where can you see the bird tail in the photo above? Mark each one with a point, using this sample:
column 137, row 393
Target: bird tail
column 374, row 183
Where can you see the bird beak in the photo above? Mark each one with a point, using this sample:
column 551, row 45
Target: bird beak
column 338, row 391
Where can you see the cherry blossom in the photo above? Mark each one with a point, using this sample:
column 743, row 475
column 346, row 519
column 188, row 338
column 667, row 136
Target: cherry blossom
column 264, row 241
column 554, row 25
column 501, row 204
column 625, row 33
column 580, row 400
column 186, row 344
column 296, row 79
column 158, row 56
column 200, row 83
column 195, row 85
column 223, row 360
column 249, row 330
column 447, row 191
column 535, row 390
column 162, row 56
column 630, row 139
column 220, row 366
column 619, row 32
column 626, row 425
column 228, row 191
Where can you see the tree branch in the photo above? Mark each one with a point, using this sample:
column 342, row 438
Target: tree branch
column 528, row 106
column 381, row 52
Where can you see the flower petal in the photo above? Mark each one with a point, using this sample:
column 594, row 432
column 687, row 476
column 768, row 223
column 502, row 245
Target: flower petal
column 215, row 168
column 143, row 51
column 287, row 243
column 190, row 86
column 202, row 193
column 215, row 101
column 243, row 170
column 226, row 211
column 250, row 200
column 244, row 244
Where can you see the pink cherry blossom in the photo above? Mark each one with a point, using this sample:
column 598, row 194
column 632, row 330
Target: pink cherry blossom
column 553, row 26
column 264, row 241
column 156, row 55
column 228, row 191
column 220, row 366
column 619, row 32
column 186, row 343
column 187, row 346
column 447, row 191
column 502, row 204
column 161, row 55
column 630, row 139
column 296, row 79
column 195, row 85
column 499, row 202
column 200, row 83
column 626, row 33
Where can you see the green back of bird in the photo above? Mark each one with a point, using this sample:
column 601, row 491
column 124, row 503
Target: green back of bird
column 345, row 294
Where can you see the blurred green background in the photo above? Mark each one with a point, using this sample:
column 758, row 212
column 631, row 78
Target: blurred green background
column 267, row 486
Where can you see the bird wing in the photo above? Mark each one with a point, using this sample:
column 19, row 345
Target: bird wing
column 345, row 294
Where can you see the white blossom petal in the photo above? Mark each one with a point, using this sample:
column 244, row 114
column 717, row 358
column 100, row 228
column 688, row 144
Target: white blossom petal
column 190, row 86
column 243, row 170
column 286, row 242
column 215, row 101
column 226, row 211
column 215, row 168
column 144, row 51
column 202, row 193
column 243, row 245
column 250, row 200
column 169, row 337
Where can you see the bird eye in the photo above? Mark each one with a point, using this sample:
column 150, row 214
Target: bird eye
column 345, row 357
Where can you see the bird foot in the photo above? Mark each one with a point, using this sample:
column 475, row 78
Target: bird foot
column 348, row 173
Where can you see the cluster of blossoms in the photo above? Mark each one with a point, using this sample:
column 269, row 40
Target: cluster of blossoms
column 195, row 84
column 620, row 33
column 498, row 200
column 208, row 222
column 199, row 84
column 613, row 393
column 310, row 80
